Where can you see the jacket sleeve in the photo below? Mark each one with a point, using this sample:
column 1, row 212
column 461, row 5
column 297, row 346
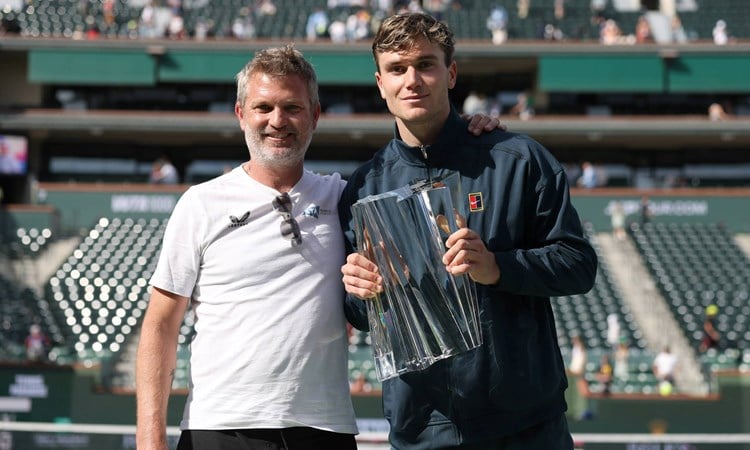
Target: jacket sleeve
column 556, row 258
column 354, row 308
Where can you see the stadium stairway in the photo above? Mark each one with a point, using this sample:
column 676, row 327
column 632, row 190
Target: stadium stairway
column 650, row 309
column 743, row 242
column 34, row 273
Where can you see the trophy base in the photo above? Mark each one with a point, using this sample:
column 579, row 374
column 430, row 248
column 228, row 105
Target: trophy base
column 385, row 366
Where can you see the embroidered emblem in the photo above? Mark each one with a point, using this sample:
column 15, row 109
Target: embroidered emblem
column 475, row 202
column 238, row 221
column 312, row 211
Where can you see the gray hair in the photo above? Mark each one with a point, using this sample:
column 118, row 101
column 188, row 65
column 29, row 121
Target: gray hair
column 278, row 62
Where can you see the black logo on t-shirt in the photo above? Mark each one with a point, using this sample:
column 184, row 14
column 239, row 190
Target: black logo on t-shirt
column 238, row 221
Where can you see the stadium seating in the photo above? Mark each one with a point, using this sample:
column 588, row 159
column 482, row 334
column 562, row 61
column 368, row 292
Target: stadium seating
column 100, row 292
column 361, row 363
column 24, row 242
column 694, row 266
column 20, row 307
column 65, row 18
column 586, row 314
column 94, row 302
column 639, row 378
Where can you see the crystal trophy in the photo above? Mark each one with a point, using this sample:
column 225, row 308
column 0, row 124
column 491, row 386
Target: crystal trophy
column 425, row 314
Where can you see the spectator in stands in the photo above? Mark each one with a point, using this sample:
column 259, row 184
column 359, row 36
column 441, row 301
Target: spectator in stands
column 522, row 109
column 552, row 33
column 256, row 253
column 436, row 8
column 664, row 365
column 497, row 23
column 243, row 27
column 475, row 103
column 618, row 218
column 414, row 6
column 720, row 34
column 358, row 25
column 605, row 374
column 337, row 30
column 643, row 31
column 92, row 31
column 645, row 210
column 711, row 335
column 610, row 33
column 317, row 25
column 588, row 176
column 382, row 8
column 201, row 29
column 716, row 112
column 621, row 370
column 163, row 172
column 559, row 9
column 613, row 331
column 577, row 370
column 523, row 8
column 176, row 26
column 147, row 21
column 108, row 9
column 678, row 34
column 37, row 344
column 578, row 357
column 265, row 8
column 525, row 247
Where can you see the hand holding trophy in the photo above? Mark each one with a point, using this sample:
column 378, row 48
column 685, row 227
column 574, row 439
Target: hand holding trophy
column 419, row 312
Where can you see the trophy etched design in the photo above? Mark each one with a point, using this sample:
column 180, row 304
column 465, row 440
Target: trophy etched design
column 425, row 314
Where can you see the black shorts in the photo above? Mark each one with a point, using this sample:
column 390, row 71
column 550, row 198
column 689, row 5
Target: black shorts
column 297, row 438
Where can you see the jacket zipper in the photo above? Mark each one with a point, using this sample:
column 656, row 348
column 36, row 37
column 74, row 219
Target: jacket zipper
column 423, row 149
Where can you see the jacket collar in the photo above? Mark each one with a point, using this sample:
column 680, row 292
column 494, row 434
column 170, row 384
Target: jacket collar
column 446, row 144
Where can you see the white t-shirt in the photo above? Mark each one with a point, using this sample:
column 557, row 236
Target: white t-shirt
column 270, row 347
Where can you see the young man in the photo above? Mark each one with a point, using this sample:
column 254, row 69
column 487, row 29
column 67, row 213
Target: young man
column 257, row 253
column 523, row 244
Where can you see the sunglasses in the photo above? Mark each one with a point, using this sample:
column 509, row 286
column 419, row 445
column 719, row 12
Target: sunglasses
column 289, row 227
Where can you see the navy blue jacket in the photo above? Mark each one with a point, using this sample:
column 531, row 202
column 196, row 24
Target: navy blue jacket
column 516, row 378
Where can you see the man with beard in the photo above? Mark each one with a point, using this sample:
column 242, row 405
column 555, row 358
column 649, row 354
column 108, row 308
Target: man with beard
column 256, row 252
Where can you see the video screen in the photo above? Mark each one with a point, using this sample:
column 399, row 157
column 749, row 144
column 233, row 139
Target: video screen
column 14, row 152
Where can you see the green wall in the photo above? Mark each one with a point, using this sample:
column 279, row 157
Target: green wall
column 596, row 73
column 87, row 67
column 149, row 66
column 689, row 73
column 731, row 210
column 600, row 71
